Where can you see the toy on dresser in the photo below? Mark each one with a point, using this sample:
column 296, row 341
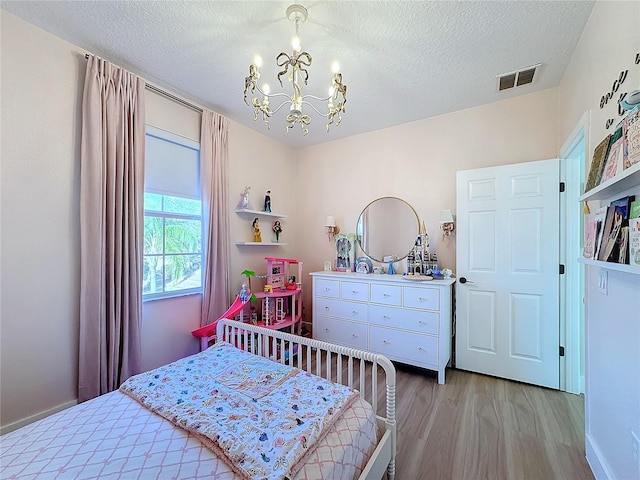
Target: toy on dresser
column 419, row 260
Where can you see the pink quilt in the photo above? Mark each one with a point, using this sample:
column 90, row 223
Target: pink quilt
column 262, row 417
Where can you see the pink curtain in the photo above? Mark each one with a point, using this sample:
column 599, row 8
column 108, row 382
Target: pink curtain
column 214, row 168
column 111, row 227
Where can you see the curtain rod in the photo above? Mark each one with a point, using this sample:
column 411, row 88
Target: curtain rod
column 164, row 93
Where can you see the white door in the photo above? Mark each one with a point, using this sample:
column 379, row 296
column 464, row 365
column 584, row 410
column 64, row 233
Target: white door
column 507, row 293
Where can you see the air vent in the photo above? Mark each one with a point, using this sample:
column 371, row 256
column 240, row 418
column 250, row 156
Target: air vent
column 518, row 78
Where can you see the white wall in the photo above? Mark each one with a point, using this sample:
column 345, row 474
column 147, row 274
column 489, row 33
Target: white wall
column 608, row 46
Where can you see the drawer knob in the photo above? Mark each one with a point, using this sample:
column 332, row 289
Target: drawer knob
column 422, row 299
column 353, row 335
column 421, row 322
column 385, row 342
column 386, row 317
column 386, row 295
column 355, row 292
column 422, row 349
column 326, row 307
column 326, row 289
column 326, row 329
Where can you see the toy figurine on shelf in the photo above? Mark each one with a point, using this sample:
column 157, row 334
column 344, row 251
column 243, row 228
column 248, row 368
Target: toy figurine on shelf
column 267, row 202
column 277, row 229
column 257, row 237
column 244, row 199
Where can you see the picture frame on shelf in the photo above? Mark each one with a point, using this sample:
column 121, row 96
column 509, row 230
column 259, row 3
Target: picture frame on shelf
column 327, row 266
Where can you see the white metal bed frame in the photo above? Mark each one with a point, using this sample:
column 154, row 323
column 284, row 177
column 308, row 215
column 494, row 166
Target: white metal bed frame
column 271, row 343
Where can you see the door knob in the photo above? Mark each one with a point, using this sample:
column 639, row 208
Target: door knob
column 464, row 280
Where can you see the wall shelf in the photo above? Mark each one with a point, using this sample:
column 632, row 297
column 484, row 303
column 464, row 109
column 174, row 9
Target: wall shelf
column 620, row 267
column 264, row 244
column 629, row 178
column 259, row 213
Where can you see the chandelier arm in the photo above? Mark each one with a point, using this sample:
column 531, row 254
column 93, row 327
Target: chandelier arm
column 273, row 95
column 322, row 99
column 289, row 102
column 325, row 115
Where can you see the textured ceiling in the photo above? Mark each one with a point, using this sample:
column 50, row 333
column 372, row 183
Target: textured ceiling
column 402, row 61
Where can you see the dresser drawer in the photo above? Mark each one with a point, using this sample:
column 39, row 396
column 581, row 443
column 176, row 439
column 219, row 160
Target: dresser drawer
column 339, row 308
column 425, row 298
column 354, row 291
column 386, row 294
column 416, row 349
column 416, row 320
column 327, row 288
column 342, row 332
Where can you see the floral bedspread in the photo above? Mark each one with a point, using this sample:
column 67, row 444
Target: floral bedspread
column 263, row 418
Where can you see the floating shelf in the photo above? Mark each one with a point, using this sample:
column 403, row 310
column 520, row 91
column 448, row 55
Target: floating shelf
column 259, row 213
column 620, row 267
column 265, row 244
column 629, row 178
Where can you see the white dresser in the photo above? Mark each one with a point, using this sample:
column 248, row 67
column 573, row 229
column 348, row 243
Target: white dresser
column 407, row 321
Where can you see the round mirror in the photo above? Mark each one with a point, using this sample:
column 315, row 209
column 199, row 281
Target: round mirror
column 387, row 226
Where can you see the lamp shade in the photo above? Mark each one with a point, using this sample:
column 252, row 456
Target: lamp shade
column 446, row 216
column 330, row 221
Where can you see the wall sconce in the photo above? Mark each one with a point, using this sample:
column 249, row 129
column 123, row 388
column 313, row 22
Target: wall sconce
column 332, row 228
column 446, row 223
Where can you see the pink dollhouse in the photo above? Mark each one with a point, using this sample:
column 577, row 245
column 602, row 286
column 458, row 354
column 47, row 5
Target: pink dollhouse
column 281, row 301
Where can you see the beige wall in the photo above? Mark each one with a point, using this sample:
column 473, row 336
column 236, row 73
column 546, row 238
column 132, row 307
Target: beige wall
column 608, row 45
column 416, row 162
column 263, row 164
column 42, row 78
column 41, row 104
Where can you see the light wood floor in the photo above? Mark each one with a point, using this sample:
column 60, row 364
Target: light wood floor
column 478, row 427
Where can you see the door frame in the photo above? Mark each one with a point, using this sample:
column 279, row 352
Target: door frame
column 572, row 172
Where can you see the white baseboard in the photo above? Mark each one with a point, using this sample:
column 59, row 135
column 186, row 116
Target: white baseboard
column 596, row 462
column 38, row 416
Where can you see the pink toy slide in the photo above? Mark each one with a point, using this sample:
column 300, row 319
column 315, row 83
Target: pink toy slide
column 209, row 330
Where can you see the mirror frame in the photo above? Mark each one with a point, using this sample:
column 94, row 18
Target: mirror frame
column 414, row 235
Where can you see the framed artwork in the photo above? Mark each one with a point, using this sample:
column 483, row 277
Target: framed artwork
column 345, row 252
column 327, row 265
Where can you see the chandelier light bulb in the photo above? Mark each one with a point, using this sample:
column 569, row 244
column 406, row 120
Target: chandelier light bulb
column 266, row 89
column 335, row 67
column 331, row 91
column 295, row 43
column 257, row 61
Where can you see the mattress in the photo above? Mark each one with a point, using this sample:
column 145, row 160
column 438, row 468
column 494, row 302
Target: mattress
column 113, row 437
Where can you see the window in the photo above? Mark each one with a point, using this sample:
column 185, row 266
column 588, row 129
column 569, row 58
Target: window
column 172, row 216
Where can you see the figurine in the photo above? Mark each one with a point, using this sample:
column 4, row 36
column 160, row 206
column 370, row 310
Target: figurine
column 277, row 228
column 245, row 293
column 244, row 199
column 256, row 230
column 267, row 201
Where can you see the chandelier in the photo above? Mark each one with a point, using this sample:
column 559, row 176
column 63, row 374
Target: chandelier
column 294, row 67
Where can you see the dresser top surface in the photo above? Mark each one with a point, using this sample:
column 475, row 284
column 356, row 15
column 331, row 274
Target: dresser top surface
column 373, row 277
